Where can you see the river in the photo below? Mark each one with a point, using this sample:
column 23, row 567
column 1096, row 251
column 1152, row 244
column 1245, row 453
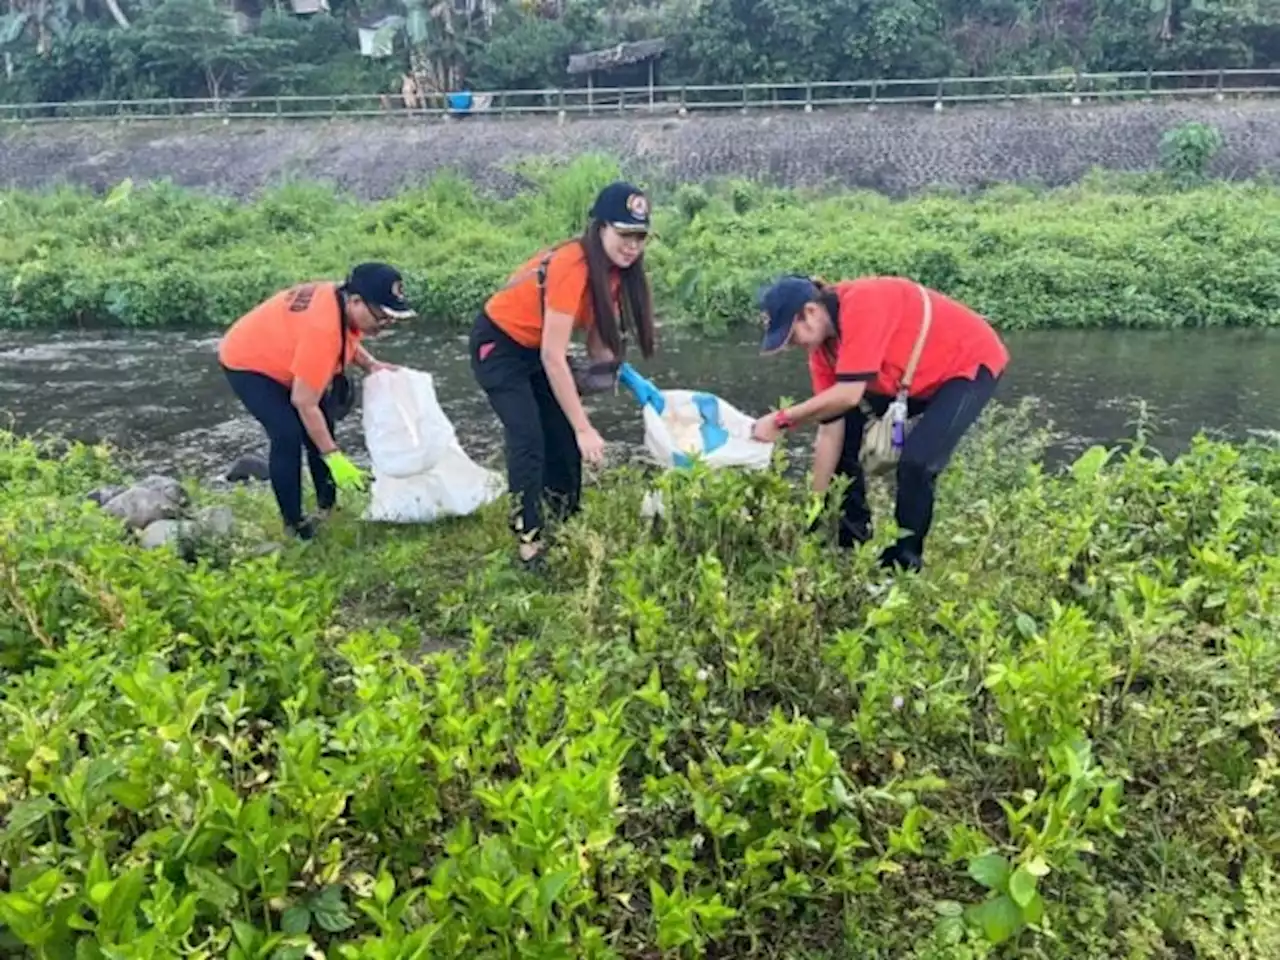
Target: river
column 160, row 396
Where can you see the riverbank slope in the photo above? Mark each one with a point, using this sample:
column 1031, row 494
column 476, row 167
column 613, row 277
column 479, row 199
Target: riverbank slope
column 896, row 150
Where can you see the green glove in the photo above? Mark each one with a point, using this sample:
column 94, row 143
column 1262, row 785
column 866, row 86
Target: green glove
column 346, row 475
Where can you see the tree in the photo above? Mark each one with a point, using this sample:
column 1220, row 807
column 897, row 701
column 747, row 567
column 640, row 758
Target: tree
column 182, row 36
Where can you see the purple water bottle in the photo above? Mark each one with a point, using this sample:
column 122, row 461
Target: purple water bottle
column 899, row 414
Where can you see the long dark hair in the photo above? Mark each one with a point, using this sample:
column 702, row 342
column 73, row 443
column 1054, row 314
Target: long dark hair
column 636, row 300
column 828, row 298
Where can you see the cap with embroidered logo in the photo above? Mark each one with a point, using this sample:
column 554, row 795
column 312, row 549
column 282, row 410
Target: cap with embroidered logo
column 381, row 286
column 624, row 207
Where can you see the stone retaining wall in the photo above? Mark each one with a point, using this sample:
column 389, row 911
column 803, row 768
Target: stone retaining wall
column 894, row 150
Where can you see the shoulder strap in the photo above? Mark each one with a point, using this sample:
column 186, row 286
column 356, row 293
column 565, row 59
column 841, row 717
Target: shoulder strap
column 342, row 329
column 542, row 279
column 910, row 372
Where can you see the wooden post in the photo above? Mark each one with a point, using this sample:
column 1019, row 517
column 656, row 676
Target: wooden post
column 591, row 86
column 651, row 85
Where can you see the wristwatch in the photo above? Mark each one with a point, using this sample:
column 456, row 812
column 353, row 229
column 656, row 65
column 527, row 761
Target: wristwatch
column 782, row 420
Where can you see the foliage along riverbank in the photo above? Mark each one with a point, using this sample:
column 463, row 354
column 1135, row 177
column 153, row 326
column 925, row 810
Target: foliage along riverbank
column 1112, row 252
column 713, row 737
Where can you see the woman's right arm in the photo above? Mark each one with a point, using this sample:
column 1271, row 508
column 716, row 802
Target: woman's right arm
column 556, row 331
column 307, row 402
column 827, row 448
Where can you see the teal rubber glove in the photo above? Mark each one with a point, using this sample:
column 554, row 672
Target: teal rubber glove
column 346, row 475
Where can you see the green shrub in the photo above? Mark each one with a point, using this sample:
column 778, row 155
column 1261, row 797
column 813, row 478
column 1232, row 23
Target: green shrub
column 709, row 736
column 1096, row 255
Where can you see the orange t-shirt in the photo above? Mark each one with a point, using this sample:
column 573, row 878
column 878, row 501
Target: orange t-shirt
column 516, row 308
column 295, row 334
column 880, row 318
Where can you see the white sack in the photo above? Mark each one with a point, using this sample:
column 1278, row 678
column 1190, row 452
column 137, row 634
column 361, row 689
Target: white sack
column 674, row 437
column 405, row 429
column 420, row 472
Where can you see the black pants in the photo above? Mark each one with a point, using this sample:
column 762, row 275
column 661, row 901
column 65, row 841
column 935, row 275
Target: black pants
column 543, row 460
column 944, row 418
column 270, row 404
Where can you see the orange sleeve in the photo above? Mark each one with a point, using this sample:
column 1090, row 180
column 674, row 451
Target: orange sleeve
column 868, row 315
column 567, row 280
column 315, row 357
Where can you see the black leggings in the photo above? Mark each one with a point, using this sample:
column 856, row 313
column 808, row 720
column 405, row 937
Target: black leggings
column 543, row 460
column 944, row 419
column 270, row 404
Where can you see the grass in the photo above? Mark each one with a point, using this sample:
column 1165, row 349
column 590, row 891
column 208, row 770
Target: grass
column 1111, row 252
column 713, row 735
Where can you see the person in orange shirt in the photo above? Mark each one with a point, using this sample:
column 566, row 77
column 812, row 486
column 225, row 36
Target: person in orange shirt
column 519, row 353
column 860, row 336
column 285, row 360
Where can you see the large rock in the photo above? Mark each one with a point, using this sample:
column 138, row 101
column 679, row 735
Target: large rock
column 170, row 487
column 141, row 506
column 248, row 468
column 103, row 494
column 215, row 522
column 164, row 533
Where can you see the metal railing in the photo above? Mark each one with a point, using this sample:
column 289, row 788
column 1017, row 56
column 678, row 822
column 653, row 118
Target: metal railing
column 938, row 93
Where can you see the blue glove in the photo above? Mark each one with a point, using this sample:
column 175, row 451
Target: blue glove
column 644, row 391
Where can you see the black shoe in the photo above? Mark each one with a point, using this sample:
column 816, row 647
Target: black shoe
column 853, row 534
column 901, row 556
column 306, row 530
column 536, row 564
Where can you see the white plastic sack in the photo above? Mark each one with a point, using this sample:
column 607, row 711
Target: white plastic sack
column 405, row 429
column 676, row 436
column 420, row 472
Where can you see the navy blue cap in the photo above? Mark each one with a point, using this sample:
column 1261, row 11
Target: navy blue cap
column 780, row 302
column 381, row 285
column 623, row 206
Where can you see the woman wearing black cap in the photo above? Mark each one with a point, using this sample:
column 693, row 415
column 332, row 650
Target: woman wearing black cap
column 595, row 283
column 870, row 341
column 284, row 360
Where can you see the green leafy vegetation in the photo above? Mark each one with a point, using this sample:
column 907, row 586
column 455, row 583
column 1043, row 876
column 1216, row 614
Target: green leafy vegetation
column 710, row 735
column 1112, row 252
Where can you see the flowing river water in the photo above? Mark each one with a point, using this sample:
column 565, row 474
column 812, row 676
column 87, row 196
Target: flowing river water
column 161, row 398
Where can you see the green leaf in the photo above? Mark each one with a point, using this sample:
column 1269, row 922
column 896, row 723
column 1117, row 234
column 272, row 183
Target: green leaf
column 991, row 870
column 385, row 888
column 131, row 796
column 332, row 919
column 948, row 908
column 247, row 935
column 1090, row 463
column 123, row 901
column 29, row 812
column 296, row 920
column 1022, row 886
column 1038, row 868
column 98, row 872
column 999, row 918
column 211, row 887
column 551, row 886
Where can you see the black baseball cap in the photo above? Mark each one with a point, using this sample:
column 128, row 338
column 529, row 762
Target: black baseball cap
column 623, row 206
column 781, row 302
column 380, row 285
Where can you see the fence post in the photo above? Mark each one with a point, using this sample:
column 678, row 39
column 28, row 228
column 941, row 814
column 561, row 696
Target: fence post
column 875, row 94
column 1222, row 78
column 744, row 97
column 622, row 100
column 684, row 99
column 937, row 97
column 808, row 98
